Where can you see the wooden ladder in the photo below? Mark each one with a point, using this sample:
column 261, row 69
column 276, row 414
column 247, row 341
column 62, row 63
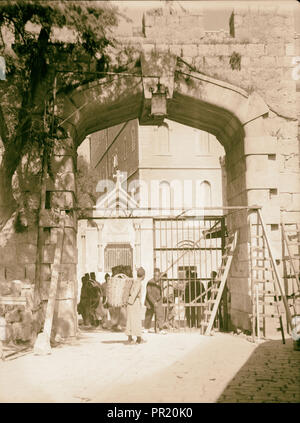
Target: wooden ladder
column 218, row 284
column 267, row 292
column 291, row 246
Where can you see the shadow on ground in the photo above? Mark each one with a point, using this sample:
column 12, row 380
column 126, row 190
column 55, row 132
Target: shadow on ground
column 115, row 342
column 271, row 374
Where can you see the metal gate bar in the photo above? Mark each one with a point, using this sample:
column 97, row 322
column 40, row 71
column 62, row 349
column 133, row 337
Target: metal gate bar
column 187, row 249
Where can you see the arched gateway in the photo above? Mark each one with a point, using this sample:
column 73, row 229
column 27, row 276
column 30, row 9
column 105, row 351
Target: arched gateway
column 239, row 118
column 234, row 117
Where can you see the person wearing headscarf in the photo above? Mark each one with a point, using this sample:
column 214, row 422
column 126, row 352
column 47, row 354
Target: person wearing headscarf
column 134, row 309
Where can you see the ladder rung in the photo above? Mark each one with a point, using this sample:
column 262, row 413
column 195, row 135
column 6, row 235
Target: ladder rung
column 272, row 294
column 260, row 258
column 262, row 328
column 263, row 250
column 261, row 268
column 272, row 316
column 266, row 315
column 292, row 257
column 263, row 281
column 292, row 230
column 294, row 243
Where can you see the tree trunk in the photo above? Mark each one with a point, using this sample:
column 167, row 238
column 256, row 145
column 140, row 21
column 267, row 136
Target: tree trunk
column 7, row 202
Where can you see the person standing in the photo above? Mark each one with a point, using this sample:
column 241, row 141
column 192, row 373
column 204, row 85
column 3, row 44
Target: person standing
column 83, row 307
column 154, row 303
column 104, row 309
column 134, row 311
column 193, row 289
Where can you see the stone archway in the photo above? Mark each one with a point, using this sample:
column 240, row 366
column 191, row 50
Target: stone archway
column 236, row 118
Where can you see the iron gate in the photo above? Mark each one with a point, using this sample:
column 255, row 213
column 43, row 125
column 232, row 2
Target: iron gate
column 117, row 254
column 187, row 250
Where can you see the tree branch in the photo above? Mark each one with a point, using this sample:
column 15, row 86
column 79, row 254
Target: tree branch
column 3, row 127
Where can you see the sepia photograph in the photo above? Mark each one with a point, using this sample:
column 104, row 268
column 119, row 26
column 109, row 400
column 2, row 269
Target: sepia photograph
column 149, row 205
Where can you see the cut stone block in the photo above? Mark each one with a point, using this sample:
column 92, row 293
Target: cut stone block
column 260, row 145
column 26, row 317
column 66, row 290
column 64, row 181
column 289, row 182
column 30, row 272
column 16, row 271
column 48, row 218
column 13, row 316
column 48, row 252
column 6, row 288
column 22, row 332
column 26, row 253
column 63, row 164
column 8, row 254
column 62, row 200
column 45, row 272
column 64, row 322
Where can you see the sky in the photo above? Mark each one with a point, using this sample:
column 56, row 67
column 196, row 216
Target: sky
column 216, row 16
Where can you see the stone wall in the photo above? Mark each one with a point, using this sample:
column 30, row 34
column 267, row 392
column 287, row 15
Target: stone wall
column 28, row 241
column 260, row 170
column 16, row 308
column 61, row 191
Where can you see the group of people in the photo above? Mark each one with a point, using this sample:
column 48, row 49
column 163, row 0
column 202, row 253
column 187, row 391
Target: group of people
column 93, row 305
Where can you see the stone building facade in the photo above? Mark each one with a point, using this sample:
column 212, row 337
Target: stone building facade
column 166, row 170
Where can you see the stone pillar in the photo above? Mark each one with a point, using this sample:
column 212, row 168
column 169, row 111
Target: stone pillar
column 100, row 248
column 18, row 248
column 137, row 245
column 83, row 252
column 61, row 196
column 238, row 282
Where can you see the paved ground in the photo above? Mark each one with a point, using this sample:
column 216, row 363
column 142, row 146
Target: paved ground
column 99, row 367
column 272, row 374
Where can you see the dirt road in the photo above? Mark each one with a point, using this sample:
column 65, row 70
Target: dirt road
column 99, row 367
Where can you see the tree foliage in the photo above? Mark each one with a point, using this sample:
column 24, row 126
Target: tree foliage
column 33, row 56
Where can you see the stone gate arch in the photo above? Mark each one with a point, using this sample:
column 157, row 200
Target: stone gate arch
column 235, row 117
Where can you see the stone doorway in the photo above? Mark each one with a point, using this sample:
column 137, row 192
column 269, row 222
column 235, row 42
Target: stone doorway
column 238, row 121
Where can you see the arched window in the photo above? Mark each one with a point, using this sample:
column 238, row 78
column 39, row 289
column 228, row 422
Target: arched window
column 163, row 139
column 202, row 142
column 205, row 194
column 164, row 197
column 133, row 138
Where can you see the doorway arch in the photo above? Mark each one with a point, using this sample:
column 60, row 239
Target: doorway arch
column 236, row 118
